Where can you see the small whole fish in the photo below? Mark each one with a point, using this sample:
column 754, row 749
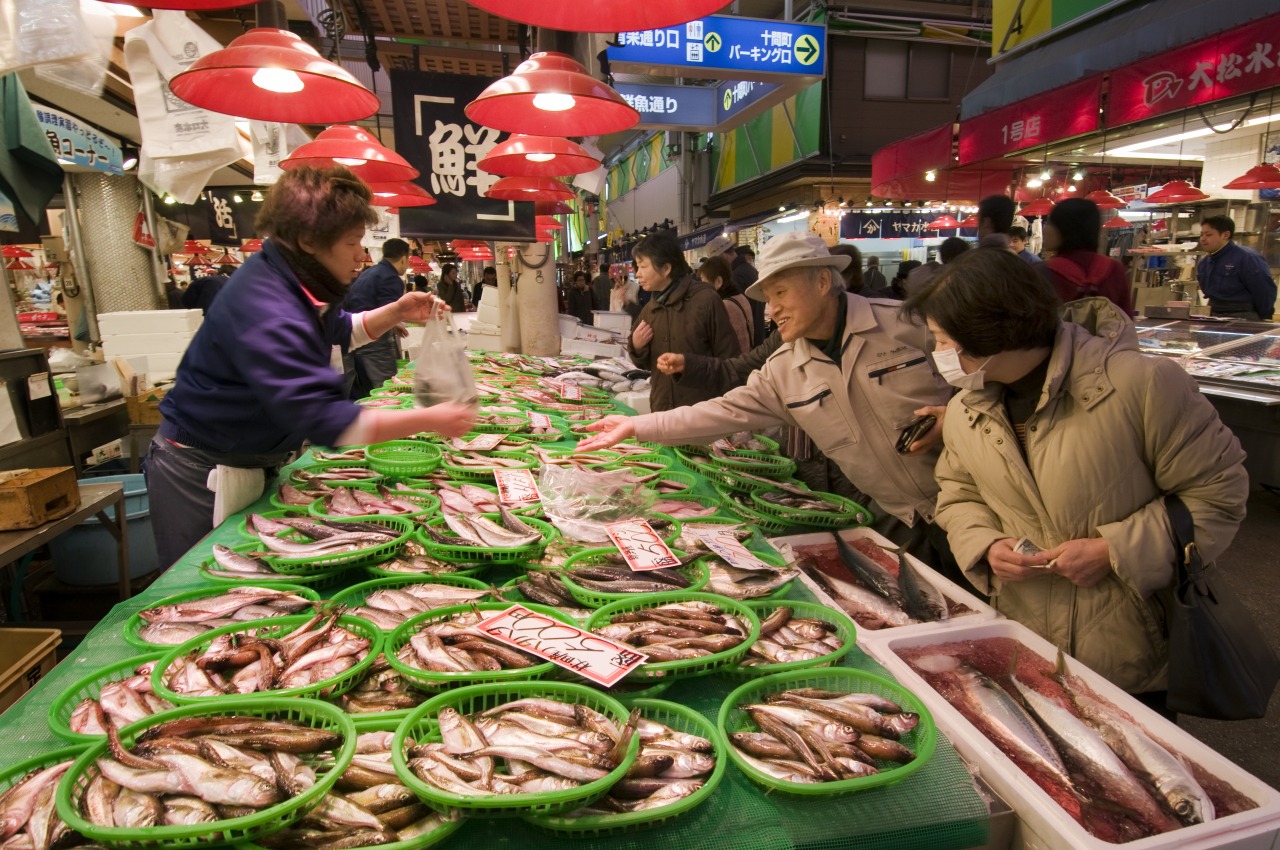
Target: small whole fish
column 389, row 607
column 121, row 702
column 453, row 646
column 728, row 580
column 677, row 630
column 200, row 615
column 785, row 638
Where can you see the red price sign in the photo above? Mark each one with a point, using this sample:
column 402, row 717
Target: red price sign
column 591, row 656
column 641, row 546
column 483, row 443
column 516, row 486
column 539, row 420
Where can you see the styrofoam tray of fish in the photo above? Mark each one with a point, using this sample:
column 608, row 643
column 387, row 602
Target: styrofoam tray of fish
column 1218, row 795
column 858, row 600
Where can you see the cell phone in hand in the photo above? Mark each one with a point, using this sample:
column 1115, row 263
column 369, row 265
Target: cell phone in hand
column 915, row 431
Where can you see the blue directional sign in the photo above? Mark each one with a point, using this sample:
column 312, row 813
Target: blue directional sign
column 672, row 107
column 724, row 46
column 735, row 98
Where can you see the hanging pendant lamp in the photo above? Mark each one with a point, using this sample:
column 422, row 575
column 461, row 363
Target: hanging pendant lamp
column 529, row 189
column 418, row 264
column 1265, row 176
column 546, row 222
column 1038, row 207
column 194, row 5
column 971, row 221
column 1105, row 200
column 1116, row 223
column 538, row 156
column 943, row 222
column 273, row 75
column 17, row 264
column 357, row 149
column 552, row 208
column 546, row 236
column 224, row 259
column 611, row 16
column 251, row 246
column 1176, row 192
column 551, row 94
column 195, row 248
column 400, row 193
column 9, row 252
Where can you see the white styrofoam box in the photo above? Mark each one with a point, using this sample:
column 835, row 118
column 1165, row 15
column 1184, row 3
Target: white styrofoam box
column 133, row 344
column 483, row 342
column 149, row 322
column 568, row 345
column 1043, row 824
column 637, row 401
column 410, row 343
column 617, row 321
column 569, row 326
column 162, row 367
column 869, row 637
column 489, row 312
column 595, row 334
column 484, row 328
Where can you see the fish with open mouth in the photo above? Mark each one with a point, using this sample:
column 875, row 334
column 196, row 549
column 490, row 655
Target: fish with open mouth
column 28, row 818
column 178, row 622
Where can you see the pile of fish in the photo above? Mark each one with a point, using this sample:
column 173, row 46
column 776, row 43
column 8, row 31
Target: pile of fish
column 690, row 539
column 511, row 421
column 197, row 770
column 457, row 498
column 811, row 502
column 369, row 806
column 348, row 455
column 1107, row 771
column 680, row 508
column 612, row 575
column 785, row 637
column 388, row 607
column 548, row 588
column 874, row 588
column 352, row 501
column 602, row 378
column 677, row 630
column 478, row 530
column 810, row 735
column 168, row 625
column 242, row 663
column 477, row 461
column 382, row 688
column 120, row 702
column 527, row 746
column 414, row 563
column 28, row 818
column 577, row 460
column 453, row 646
column 670, row 766
column 297, row 538
column 327, row 475
column 595, row 530
column 737, row 583
column 380, row 402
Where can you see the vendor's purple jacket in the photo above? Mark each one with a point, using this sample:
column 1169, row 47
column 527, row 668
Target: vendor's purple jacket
column 257, row 378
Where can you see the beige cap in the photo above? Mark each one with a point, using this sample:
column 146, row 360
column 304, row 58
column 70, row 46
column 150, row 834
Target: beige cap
column 798, row 249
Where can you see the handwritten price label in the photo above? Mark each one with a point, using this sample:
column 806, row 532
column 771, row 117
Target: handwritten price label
column 539, row 420
column 641, row 546
column 483, row 443
column 570, row 392
column 516, row 486
column 728, row 547
column 591, row 656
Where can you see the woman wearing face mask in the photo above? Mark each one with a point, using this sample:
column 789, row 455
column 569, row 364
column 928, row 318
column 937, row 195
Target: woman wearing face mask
column 1068, row 436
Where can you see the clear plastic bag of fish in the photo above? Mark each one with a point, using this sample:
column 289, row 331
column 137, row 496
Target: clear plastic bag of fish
column 582, row 502
column 443, row 372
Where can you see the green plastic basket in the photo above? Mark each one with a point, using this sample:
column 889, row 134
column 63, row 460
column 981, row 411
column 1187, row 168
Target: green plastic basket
column 559, row 432
column 292, row 511
column 382, row 403
column 420, row 726
column 511, row 593
column 534, row 509
column 403, row 458
column 428, row 503
column 357, row 593
column 464, row 553
column 851, row 514
column 764, row 523
column 696, row 572
column 922, row 740
column 312, row 564
column 686, row 667
column 59, row 715
column 431, row 680
column 502, row 427
column 471, row 474
column 313, row 713
column 601, row 458
column 316, row 581
column 770, row 557
column 845, row 630
column 471, row 571
column 679, row 476
column 274, row 628
column 135, row 624
column 678, row 717
column 323, row 465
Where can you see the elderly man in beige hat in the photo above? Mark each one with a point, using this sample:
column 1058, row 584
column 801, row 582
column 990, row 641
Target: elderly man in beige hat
column 850, row 372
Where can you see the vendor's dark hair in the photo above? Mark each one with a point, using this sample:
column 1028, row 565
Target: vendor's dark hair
column 395, row 249
column 989, row 302
column 951, row 248
column 999, row 209
column 1079, row 224
column 662, row 249
column 852, row 273
column 718, row 267
column 316, row 204
column 1221, row 223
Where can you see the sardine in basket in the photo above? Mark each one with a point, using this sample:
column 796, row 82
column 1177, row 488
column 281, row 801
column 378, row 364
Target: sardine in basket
column 135, row 624
column 845, row 630
column 90, row 687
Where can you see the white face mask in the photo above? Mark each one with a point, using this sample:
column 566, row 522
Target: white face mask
column 948, row 362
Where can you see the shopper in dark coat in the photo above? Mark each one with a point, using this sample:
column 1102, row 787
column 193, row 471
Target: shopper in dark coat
column 745, row 274
column 1077, row 270
column 580, row 298
column 450, row 290
column 381, row 284
column 600, row 288
column 202, row 291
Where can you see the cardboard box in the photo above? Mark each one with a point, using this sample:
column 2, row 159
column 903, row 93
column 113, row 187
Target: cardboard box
column 29, row 654
column 32, row 497
column 144, row 408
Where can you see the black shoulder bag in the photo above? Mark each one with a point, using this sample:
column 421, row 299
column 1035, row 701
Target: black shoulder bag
column 1220, row 665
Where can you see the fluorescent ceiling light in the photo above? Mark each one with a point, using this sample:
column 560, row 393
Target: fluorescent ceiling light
column 1198, row 133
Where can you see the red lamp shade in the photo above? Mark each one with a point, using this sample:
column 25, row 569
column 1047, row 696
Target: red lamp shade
column 1265, row 176
column 546, row 222
column 546, row 236
column 9, row 252
column 1105, row 200
column 224, row 259
column 550, row 94
column 418, row 264
column 251, row 246
column 343, row 144
column 971, row 221
column 194, row 5
column 273, row 75
column 601, row 15
column 1116, row 223
column 552, row 208
column 400, row 193
column 1176, row 192
column 529, row 189
column 194, row 248
column 942, row 222
column 18, row 264
column 538, row 156
column 1038, row 207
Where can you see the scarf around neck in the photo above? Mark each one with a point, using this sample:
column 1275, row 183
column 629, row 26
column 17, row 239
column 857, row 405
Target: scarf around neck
column 312, row 274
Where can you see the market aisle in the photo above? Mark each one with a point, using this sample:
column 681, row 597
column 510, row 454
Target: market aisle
column 1249, row 566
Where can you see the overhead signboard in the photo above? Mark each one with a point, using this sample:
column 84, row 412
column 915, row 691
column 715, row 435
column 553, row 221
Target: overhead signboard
column 723, row 47
column 1018, row 21
column 740, row 100
column 74, row 143
column 672, row 107
column 1071, row 110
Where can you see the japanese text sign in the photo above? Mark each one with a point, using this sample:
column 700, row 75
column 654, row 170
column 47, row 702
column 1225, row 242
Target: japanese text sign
column 1070, row 110
column 723, row 542
column 539, row 420
column 720, row 46
column 436, row 137
column 1241, row 60
column 571, row 392
column 591, row 656
column 78, row 144
column 516, row 486
column 483, row 443
column 641, row 546
column 863, row 225
column 673, row 107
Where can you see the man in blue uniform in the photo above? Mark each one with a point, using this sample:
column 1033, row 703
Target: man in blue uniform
column 1236, row 280
column 381, row 284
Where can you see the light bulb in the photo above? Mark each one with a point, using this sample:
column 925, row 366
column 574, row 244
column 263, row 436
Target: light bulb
column 539, row 157
column 1071, row 188
column 782, row 209
column 1078, row 176
column 256, row 196
column 931, row 176
column 279, row 80
column 553, row 101
column 1046, row 174
column 349, row 162
column 129, row 163
column 170, row 199
column 236, row 197
column 1035, row 183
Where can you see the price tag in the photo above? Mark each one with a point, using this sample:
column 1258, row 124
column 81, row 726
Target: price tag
column 728, row 547
column 591, row 656
column 723, row 444
column 570, row 392
column 38, row 386
column 488, row 390
column 539, row 420
column 483, row 443
column 537, row 396
column 641, row 546
column 516, row 486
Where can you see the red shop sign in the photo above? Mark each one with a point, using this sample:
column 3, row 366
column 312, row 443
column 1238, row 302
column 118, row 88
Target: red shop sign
column 1071, row 110
column 1238, row 61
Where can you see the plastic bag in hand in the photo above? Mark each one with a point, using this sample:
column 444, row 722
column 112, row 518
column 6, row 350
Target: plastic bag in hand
column 443, row 372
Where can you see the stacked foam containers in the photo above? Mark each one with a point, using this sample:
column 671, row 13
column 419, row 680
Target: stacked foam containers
column 161, row 336
column 485, row 331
